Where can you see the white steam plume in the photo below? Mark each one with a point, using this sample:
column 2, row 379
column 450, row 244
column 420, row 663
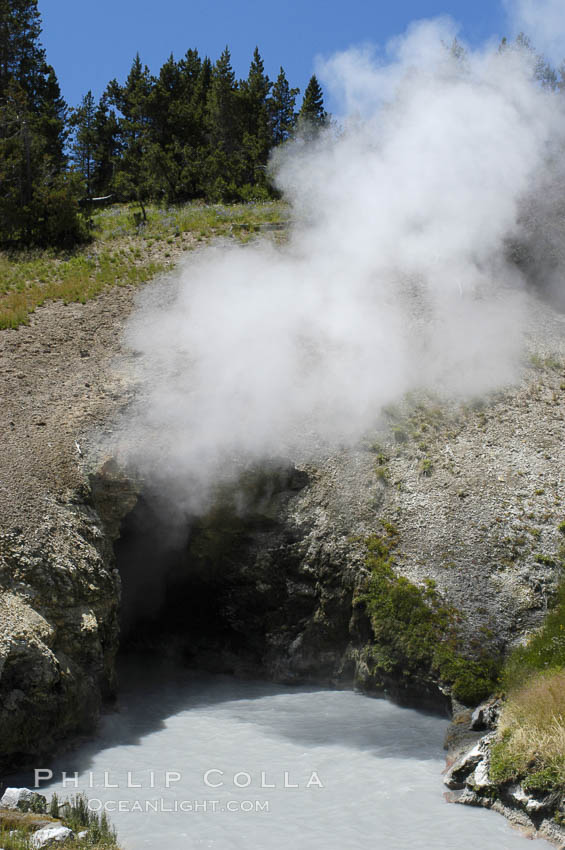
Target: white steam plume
column 543, row 21
column 394, row 276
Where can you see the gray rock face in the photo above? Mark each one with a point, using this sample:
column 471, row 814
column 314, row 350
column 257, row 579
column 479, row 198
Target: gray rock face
column 21, row 799
column 467, row 764
column 485, row 716
column 59, row 596
column 532, row 804
column 470, row 489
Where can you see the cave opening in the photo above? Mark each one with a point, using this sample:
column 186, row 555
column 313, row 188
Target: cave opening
column 214, row 591
column 170, row 600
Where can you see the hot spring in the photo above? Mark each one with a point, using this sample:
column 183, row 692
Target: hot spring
column 195, row 760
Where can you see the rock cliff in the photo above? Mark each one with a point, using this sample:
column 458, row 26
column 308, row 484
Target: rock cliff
column 459, row 502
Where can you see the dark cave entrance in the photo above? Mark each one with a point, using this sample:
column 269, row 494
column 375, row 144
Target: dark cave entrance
column 170, row 600
column 212, row 591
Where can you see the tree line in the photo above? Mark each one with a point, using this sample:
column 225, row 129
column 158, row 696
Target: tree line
column 192, row 131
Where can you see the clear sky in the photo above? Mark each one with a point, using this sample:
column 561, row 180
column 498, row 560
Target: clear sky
column 89, row 44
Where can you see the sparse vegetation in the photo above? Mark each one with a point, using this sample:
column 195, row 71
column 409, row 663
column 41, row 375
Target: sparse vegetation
column 123, row 252
column 17, row 827
column 426, row 467
column 548, row 363
column 415, row 633
column 544, row 652
column 382, row 475
column 531, row 743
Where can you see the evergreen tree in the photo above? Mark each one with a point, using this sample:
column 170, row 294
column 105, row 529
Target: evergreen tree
column 15, row 164
column 223, row 162
column 53, row 120
column 166, row 119
column 546, row 74
column 38, row 199
column 106, row 132
column 197, row 149
column 282, row 106
column 256, row 141
column 221, row 105
column 22, row 57
column 543, row 72
column 176, row 109
column 83, row 122
column 312, row 112
column 133, row 177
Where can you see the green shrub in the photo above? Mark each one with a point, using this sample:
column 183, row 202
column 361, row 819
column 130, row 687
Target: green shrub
column 545, row 650
column 415, row 633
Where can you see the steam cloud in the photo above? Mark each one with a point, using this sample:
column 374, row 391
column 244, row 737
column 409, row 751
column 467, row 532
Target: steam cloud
column 543, row 21
column 395, row 275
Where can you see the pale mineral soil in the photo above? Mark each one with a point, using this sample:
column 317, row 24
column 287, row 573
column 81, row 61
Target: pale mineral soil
column 58, row 381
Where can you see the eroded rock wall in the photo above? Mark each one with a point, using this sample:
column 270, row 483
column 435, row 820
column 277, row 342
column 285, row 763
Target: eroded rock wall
column 59, row 602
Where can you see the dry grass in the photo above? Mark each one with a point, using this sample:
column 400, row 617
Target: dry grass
column 531, row 746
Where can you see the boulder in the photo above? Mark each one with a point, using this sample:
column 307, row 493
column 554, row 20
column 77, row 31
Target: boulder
column 479, row 780
column 23, row 800
column 485, row 716
column 532, row 804
column 465, row 765
column 51, row 835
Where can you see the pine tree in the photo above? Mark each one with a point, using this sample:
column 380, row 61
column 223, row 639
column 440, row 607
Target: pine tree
column 312, row 112
column 196, row 150
column 176, row 108
column 223, row 121
column 53, row 120
column 106, row 132
column 15, row 164
column 133, row 177
column 22, row 57
column 282, row 106
column 83, row 123
column 256, row 141
column 255, row 91
column 221, row 105
column 39, row 201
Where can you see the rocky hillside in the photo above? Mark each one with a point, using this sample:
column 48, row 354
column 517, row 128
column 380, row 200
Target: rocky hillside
column 439, row 531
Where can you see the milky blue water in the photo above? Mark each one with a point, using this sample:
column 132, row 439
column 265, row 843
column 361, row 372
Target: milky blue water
column 368, row 773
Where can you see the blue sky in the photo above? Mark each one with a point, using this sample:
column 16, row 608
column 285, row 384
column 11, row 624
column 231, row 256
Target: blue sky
column 90, row 44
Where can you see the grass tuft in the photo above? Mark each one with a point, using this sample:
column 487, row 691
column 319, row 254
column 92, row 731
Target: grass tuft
column 530, row 745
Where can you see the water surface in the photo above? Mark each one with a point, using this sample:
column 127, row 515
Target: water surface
column 368, row 773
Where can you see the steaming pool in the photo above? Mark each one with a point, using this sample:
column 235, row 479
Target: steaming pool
column 368, row 773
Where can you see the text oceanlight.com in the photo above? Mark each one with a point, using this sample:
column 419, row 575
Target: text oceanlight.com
column 162, row 806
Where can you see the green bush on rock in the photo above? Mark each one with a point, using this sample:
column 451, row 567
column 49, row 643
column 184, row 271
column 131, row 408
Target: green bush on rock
column 415, row 633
